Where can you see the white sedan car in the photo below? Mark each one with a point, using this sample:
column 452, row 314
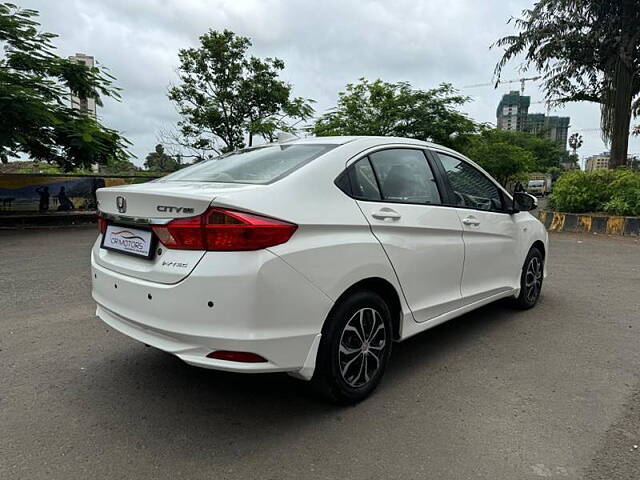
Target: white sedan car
column 312, row 256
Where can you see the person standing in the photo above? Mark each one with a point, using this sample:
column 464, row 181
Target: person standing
column 43, row 192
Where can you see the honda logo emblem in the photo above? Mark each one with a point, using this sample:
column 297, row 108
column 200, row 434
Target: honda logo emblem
column 121, row 203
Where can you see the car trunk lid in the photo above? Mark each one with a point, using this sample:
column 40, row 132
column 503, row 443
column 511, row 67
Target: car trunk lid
column 137, row 207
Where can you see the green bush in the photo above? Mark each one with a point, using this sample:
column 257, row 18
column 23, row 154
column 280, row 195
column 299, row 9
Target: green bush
column 611, row 191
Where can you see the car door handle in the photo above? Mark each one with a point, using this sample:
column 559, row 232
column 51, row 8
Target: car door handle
column 471, row 221
column 386, row 214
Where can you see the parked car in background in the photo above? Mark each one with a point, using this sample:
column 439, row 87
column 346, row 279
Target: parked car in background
column 538, row 188
column 312, row 256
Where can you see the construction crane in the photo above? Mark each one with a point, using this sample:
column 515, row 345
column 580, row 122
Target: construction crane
column 500, row 82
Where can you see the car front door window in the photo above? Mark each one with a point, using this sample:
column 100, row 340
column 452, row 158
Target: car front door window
column 471, row 187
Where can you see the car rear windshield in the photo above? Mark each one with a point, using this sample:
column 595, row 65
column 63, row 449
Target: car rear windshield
column 259, row 165
column 536, row 183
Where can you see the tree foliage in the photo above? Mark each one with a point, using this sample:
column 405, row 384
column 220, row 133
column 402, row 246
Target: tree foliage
column 397, row 109
column 612, row 191
column 509, row 155
column 504, row 161
column 160, row 161
column 586, row 50
column 224, row 95
column 35, row 116
column 575, row 142
column 119, row 166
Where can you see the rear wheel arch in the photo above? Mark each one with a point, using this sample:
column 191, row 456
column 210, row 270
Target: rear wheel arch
column 540, row 246
column 386, row 291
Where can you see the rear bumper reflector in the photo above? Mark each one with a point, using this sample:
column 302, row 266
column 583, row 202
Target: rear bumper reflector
column 244, row 357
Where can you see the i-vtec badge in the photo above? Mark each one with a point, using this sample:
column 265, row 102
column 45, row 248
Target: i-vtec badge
column 174, row 264
column 170, row 209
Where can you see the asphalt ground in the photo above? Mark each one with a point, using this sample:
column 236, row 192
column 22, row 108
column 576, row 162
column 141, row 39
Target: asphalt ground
column 552, row 392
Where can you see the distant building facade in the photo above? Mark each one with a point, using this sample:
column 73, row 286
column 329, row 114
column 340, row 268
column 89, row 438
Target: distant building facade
column 601, row 162
column 513, row 114
column 512, row 111
column 553, row 128
column 83, row 104
column 597, row 162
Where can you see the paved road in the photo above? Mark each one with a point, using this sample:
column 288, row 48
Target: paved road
column 497, row 394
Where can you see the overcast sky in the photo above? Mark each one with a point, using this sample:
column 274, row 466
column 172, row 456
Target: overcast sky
column 324, row 44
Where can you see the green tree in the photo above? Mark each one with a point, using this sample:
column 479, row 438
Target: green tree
column 224, row 95
column 586, row 50
column 555, row 173
column 544, row 154
column 160, row 161
column 572, row 162
column 119, row 166
column 397, row 109
column 575, row 142
column 504, row 161
column 501, row 154
column 35, row 116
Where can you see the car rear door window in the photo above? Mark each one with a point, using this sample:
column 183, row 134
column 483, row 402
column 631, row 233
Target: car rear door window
column 472, row 188
column 405, row 176
column 363, row 181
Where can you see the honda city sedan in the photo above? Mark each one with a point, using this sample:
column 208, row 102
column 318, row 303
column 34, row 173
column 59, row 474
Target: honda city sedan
column 312, row 256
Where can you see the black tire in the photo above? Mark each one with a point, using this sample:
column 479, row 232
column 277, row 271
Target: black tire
column 531, row 278
column 349, row 374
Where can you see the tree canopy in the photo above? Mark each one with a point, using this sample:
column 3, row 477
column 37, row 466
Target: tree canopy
column 397, row 109
column 36, row 118
column 504, row 161
column 160, row 161
column 509, row 155
column 586, row 50
column 225, row 96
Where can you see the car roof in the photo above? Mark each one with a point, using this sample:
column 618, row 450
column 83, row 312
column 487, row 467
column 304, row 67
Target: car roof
column 366, row 140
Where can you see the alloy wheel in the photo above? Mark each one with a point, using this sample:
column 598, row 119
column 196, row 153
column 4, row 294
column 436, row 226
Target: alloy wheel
column 533, row 279
column 361, row 349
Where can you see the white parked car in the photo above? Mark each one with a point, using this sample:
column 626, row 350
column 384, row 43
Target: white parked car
column 312, row 256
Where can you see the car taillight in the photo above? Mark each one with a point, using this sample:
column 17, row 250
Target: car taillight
column 219, row 229
column 102, row 224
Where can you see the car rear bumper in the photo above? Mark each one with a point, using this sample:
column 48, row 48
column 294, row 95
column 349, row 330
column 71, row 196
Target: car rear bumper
column 249, row 312
column 286, row 354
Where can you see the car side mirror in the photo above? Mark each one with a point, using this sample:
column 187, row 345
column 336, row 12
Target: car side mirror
column 523, row 202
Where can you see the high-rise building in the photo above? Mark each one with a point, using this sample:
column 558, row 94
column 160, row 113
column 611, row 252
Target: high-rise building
column 83, row 104
column 512, row 111
column 553, row 128
column 513, row 114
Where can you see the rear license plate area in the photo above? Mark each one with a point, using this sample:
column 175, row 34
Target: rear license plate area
column 128, row 240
